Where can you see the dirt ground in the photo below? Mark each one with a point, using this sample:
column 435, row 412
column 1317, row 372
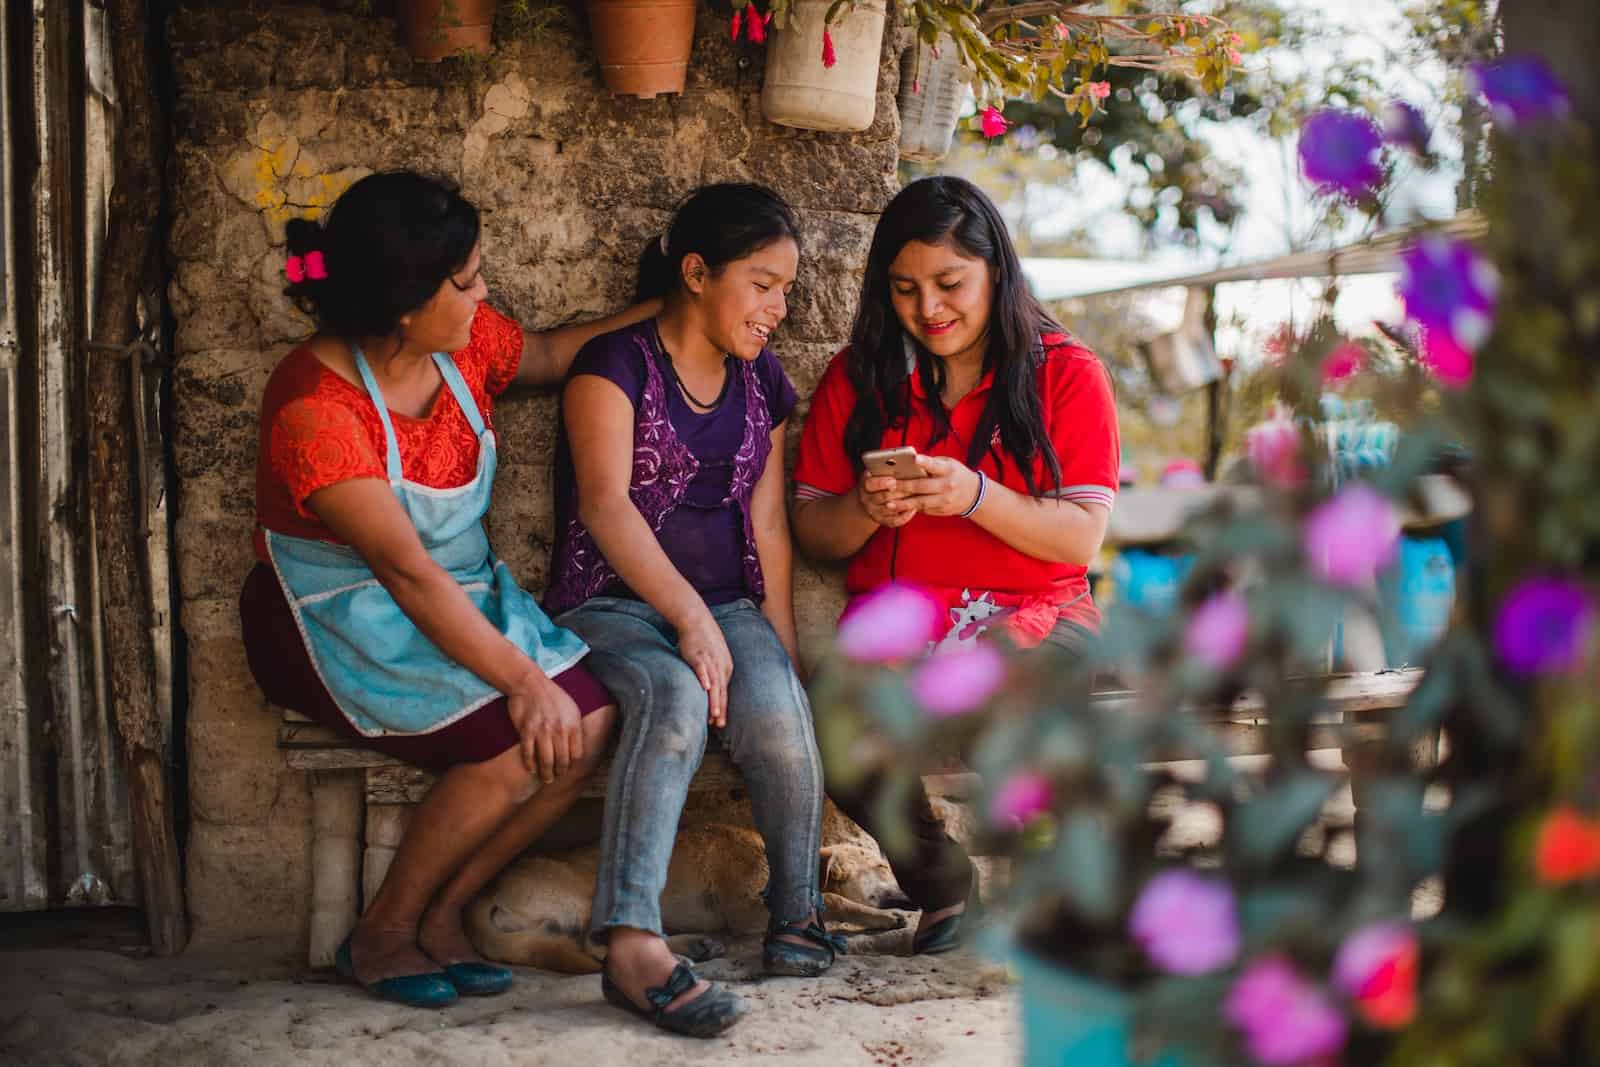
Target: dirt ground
column 91, row 1005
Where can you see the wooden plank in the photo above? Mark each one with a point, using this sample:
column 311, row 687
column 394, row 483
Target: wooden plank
column 397, row 783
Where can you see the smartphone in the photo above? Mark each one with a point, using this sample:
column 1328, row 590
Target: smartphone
column 892, row 462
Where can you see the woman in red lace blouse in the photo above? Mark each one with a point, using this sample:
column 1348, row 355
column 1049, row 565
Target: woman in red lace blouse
column 378, row 607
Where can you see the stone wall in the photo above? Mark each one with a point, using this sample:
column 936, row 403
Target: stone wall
column 280, row 106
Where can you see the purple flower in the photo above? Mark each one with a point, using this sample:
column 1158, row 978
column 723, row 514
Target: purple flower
column 1448, row 285
column 1519, row 90
column 1364, row 951
column 895, row 622
column 1339, row 152
column 1285, row 1019
column 1377, row 969
column 1348, row 538
column 1543, row 625
column 949, row 683
column 1218, row 629
column 1019, row 798
column 1186, row 924
column 1404, row 125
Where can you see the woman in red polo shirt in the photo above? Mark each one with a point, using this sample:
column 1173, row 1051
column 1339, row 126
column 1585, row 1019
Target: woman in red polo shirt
column 1015, row 429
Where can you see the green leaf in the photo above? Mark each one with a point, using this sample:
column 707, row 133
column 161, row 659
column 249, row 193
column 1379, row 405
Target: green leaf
column 1086, row 863
column 1271, row 822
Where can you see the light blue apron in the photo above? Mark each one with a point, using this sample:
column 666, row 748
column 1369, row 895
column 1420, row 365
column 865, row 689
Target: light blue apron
column 384, row 674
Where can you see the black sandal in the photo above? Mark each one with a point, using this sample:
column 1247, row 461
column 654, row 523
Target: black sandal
column 707, row 1015
column 801, row 961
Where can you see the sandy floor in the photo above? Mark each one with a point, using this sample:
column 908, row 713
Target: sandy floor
column 80, row 1006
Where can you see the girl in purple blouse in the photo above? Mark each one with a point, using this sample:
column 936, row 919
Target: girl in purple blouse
column 673, row 561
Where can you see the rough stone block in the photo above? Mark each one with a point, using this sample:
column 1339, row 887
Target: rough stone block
column 247, row 882
column 214, row 555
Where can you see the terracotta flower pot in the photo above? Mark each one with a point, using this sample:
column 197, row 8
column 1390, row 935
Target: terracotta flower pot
column 434, row 29
column 643, row 45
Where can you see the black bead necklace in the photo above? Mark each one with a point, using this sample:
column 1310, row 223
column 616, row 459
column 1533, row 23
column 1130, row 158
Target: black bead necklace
column 727, row 377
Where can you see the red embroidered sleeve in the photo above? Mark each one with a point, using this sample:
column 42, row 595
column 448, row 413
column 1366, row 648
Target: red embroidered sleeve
column 317, row 441
column 495, row 349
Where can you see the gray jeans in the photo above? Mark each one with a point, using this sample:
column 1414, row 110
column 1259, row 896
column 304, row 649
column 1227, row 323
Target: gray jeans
column 664, row 730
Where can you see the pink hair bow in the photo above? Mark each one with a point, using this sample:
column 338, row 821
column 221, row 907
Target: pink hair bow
column 310, row 265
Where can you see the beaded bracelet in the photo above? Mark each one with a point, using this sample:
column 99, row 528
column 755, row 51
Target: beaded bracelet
column 983, row 487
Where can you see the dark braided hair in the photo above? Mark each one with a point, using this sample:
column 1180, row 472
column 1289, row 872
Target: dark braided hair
column 388, row 243
column 722, row 223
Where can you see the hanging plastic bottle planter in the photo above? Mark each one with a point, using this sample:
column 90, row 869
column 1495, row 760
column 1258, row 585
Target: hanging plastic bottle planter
column 932, row 91
column 803, row 89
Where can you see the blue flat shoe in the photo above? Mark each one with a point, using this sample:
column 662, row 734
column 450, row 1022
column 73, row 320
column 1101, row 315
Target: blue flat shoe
column 432, row 990
column 942, row 936
column 707, row 1015
column 796, row 960
column 475, row 978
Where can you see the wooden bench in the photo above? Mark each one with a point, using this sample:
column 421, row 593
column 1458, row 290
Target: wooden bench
column 361, row 800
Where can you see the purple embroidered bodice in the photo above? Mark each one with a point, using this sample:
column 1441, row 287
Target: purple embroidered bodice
column 664, row 469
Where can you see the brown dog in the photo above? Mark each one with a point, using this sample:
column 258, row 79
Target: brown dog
column 537, row 911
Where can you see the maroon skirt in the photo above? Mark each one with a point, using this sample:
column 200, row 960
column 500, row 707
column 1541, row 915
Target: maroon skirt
column 286, row 675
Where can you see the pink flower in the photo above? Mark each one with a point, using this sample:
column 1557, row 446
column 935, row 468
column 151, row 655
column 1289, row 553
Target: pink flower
column 994, row 123
column 1273, row 448
column 959, row 680
column 1021, row 797
column 1186, row 924
column 1285, row 1019
column 1099, row 90
column 828, row 58
column 1183, row 473
column 1450, row 362
column 757, row 26
column 1349, row 538
column 1377, row 968
column 895, row 622
column 1235, row 56
column 733, row 31
column 1343, row 363
column 1062, row 32
column 1218, row 630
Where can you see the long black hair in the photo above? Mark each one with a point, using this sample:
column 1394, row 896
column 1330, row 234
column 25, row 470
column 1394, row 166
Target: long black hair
column 722, row 223
column 386, row 246
column 933, row 211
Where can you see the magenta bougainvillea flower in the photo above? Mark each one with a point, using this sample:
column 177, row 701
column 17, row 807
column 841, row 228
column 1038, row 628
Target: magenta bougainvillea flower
column 1403, row 125
column 1019, row 798
column 757, row 26
column 1377, row 969
column 957, row 681
column 1519, row 90
column 1339, row 152
column 1450, row 362
column 1543, row 625
column 1447, row 285
column 1349, row 537
column 1185, row 923
column 1099, row 90
column 1343, row 363
column 1218, row 630
column 895, row 622
column 1286, row 1021
column 994, row 123
column 1273, row 448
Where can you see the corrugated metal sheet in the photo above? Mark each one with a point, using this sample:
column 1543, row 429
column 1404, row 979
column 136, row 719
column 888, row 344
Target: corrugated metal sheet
column 62, row 777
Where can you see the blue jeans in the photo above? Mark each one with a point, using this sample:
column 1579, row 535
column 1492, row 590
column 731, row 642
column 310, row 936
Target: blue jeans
column 664, row 730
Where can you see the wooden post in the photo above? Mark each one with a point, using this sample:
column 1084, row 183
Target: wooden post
column 130, row 269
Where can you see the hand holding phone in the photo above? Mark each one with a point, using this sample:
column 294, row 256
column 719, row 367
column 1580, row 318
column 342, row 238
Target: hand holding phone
column 898, row 463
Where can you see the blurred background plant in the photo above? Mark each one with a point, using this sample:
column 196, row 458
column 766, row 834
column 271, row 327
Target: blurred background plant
column 1457, row 920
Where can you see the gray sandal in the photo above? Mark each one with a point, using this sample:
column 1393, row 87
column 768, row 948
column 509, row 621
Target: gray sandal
column 707, row 1015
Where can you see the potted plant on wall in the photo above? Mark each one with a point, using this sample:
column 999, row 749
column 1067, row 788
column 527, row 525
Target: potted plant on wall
column 642, row 45
column 1455, row 922
column 436, row 29
column 823, row 60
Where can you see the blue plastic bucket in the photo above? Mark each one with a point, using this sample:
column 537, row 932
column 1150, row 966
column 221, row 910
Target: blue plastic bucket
column 1150, row 580
column 1418, row 594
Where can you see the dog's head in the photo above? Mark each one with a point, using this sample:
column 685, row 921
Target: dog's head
column 862, row 875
